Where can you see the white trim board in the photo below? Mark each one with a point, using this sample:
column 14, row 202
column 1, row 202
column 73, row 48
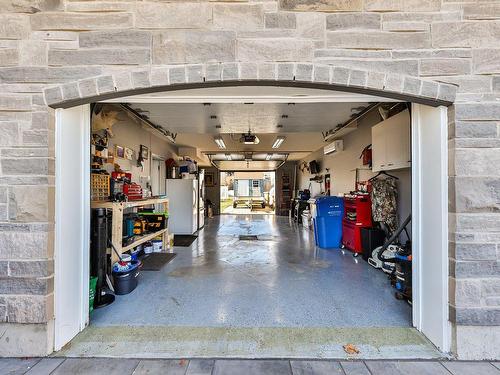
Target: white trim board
column 72, row 223
column 430, row 224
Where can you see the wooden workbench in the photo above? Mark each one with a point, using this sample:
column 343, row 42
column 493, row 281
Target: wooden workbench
column 117, row 223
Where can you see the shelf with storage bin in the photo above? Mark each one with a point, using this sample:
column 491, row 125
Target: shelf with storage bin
column 117, row 209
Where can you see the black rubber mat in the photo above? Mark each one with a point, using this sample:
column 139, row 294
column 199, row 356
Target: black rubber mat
column 184, row 240
column 156, row 261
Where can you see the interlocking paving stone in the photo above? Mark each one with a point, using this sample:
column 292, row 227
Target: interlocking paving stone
column 158, row 366
column 406, row 368
column 111, row 366
column 200, row 367
column 45, row 366
column 471, row 368
column 14, row 366
column 354, row 368
column 251, row 367
column 92, row 366
column 315, row 368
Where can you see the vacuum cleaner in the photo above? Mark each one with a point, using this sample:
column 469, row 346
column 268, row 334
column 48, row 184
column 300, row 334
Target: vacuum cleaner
column 400, row 257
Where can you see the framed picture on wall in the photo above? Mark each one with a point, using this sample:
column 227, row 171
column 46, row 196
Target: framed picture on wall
column 119, row 151
column 144, row 152
column 129, row 153
column 209, row 179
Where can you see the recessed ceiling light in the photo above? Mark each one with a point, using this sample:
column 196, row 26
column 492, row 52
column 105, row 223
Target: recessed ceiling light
column 219, row 142
column 279, row 140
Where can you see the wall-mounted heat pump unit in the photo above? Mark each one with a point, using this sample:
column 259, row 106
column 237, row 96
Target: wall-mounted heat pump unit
column 334, row 147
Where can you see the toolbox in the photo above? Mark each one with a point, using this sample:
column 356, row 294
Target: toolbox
column 357, row 215
column 132, row 191
column 155, row 221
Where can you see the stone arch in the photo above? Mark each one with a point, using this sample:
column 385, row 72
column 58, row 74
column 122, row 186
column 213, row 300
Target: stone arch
column 179, row 77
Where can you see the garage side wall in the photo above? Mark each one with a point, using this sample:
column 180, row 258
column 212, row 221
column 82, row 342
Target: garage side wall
column 63, row 44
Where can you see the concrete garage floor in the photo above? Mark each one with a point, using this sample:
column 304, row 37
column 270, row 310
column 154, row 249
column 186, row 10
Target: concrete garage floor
column 277, row 297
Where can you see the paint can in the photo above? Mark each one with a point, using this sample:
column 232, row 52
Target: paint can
column 148, row 247
column 157, row 246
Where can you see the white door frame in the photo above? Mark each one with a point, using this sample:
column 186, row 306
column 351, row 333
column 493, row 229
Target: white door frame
column 438, row 330
column 72, row 148
column 417, row 212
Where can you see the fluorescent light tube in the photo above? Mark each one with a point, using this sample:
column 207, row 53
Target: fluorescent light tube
column 277, row 143
column 220, row 142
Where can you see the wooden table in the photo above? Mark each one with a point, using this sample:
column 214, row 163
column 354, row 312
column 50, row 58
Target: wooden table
column 117, row 223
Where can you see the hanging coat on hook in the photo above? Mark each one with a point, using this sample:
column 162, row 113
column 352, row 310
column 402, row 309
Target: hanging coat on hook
column 385, row 202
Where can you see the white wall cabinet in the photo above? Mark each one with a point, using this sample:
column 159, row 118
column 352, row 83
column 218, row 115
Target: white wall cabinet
column 391, row 143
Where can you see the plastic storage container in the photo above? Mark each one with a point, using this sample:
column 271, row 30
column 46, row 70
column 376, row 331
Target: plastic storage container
column 327, row 221
column 126, row 282
column 92, row 291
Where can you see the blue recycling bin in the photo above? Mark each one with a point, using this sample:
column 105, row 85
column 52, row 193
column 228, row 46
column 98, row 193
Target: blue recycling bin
column 327, row 221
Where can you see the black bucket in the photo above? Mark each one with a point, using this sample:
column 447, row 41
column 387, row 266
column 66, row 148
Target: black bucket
column 126, row 282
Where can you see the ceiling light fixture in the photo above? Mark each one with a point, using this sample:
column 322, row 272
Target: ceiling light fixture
column 279, row 140
column 220, row 142
column 269, row 156
column 228, row 157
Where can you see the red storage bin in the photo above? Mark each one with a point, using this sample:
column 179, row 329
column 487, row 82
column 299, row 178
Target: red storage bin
column 357, row 215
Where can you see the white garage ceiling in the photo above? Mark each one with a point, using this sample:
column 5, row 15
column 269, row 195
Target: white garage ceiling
column 261, row 118
column 300, row 114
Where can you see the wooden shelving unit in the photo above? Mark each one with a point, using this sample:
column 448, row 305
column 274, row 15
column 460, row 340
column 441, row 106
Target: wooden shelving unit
column 117, row 223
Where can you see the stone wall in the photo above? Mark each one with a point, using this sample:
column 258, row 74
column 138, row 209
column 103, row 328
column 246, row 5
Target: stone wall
column 50, row 42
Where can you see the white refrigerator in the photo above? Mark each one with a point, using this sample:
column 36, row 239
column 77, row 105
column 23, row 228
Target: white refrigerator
column 182, row 205
column 201, row 199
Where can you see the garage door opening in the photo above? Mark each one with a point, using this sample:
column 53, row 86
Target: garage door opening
column 259, row 284
column 247, row 193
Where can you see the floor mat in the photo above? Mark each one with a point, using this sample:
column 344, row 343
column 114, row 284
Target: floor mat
column 184, row 240
column 156, row 261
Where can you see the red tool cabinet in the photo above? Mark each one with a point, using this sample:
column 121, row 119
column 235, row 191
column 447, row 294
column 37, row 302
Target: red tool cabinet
column 357, row 215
